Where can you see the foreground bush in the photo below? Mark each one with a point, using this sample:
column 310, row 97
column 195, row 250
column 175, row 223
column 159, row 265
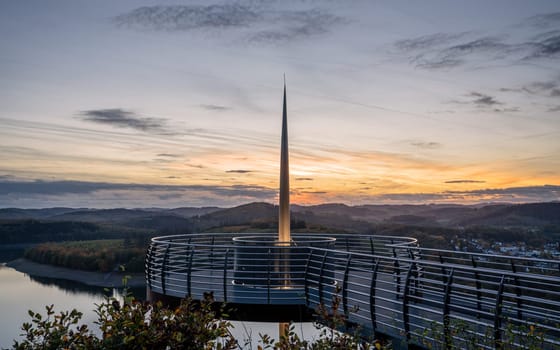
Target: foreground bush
column 130, row 325
column 141, row 325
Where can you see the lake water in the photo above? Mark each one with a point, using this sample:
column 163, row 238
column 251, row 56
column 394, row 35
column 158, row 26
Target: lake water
column 20, row 292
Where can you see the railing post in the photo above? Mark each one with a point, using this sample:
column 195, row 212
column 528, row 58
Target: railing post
column 419, row 270
column 345, row 286
column 225, row 275
column 148, row 265
column 371, row 246
column 446, row 311
column 405, row 308
column 517, row 291
column 498, row 314
column 321, row 273
column 410, row 253
column 396, row 272
column 478, row 288
column 189, row 270
column 212, row 253
column 306, row 274
column 372, row 287
column 164, row 267
column 416, row 275
column 443, row 270
column 268, row 277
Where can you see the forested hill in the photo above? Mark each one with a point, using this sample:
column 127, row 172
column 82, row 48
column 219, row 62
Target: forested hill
column 34, row 231
column 56, row 224
column 68, row 224
column 445, row 215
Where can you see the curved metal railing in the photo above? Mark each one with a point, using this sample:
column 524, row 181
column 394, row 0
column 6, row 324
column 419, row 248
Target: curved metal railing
column 386, row 285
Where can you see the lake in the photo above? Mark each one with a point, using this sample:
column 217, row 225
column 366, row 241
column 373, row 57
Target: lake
column 20, row 292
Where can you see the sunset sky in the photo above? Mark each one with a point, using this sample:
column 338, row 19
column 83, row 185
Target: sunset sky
column 178, row 103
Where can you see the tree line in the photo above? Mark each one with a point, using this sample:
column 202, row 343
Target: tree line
column 98, row 255
column 35, row 231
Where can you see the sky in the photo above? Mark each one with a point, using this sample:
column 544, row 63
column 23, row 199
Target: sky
column 108, row 104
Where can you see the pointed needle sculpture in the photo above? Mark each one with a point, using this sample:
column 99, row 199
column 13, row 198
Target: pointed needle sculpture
column 284, row 235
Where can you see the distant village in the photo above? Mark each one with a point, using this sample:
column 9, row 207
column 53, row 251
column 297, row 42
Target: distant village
column 550, row 250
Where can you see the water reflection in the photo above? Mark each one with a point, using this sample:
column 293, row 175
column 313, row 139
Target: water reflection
column 11, row 252
column 71, row 287
column 248, row 333
column 20, row 292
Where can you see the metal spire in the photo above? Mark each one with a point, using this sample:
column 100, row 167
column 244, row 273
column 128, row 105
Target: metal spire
column 284, row 207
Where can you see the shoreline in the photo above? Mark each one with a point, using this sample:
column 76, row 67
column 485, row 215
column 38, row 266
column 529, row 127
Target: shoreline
column 90, row 278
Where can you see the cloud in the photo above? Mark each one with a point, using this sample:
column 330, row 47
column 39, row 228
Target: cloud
column 187, row 17
column 547, row 47
column 431, row 54
column 214, row 107
column 483, row 100
column 290, row 25
column 100, row 194
column 544, row 85
column 545, row 20
column 83, row 187
column 509, row 90
column 464, row 182
column 427, row 41
column 487, row 102
column 484, row 44
column 440, row 63
column 56, row 187
column 239, row 171
column 304, row 179
column 551, row 191
column 450, row 50
column 543, row 89
column 489, row 47
column 426, row 145
column 121, row 118
column 198, row 166
column 169, row 155
column 37, row 194
column 507, row 110
column 255, row 22
column 527, row 194
column 550, row 88
column 162, row 160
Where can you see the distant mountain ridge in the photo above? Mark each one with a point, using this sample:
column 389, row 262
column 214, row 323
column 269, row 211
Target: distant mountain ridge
column 336, row 216
column 17, row 213
column 99, row 215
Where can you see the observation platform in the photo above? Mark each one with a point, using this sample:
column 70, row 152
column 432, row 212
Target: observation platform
column 386, row 286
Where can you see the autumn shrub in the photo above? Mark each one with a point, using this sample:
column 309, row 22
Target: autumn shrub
column 133, row 324
column 130, row 324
